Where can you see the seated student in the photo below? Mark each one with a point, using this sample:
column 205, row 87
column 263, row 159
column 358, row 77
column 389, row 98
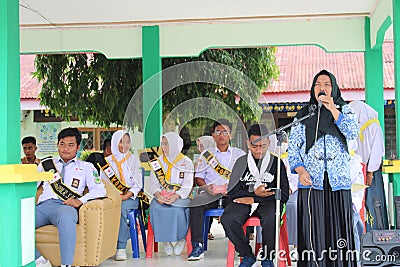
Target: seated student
column 58, row 204
column 249, row 195
column 171, row 182
column 96, row 157
column 127, row 180
column 29, row 147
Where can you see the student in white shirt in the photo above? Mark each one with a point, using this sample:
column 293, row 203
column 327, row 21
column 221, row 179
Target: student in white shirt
column 75, row 175
column 171, row 182
column 127, row 168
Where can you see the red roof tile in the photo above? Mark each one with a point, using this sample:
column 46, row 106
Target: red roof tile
column 299, row 64
column 30, row 88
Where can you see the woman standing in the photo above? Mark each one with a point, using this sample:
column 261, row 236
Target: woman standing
column 127, row 169
column 171, row 182
column 318, row 152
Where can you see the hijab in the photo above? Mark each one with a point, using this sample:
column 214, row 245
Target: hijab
column 175, row 143
column 363, row 112
column 118, row 157
column 207, row 141
column 326, row 122
column 115, row 139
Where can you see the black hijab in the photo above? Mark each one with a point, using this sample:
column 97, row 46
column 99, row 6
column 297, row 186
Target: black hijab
column 326, row 121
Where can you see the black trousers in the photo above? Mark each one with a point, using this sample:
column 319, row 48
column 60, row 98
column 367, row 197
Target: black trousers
column 235, row 215
column 198, row 206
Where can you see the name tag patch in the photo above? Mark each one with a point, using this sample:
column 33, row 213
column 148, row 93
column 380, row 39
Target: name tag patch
column 75, row 182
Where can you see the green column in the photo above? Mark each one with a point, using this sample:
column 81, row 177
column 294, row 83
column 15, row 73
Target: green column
column 396, row 37
column 152, row 89
column 374, row 76
column 9, row 82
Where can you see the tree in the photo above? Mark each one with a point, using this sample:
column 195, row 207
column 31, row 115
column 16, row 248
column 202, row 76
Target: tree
column 93, row 88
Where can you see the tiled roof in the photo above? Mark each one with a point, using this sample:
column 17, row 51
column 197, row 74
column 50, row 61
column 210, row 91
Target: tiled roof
column 30, row 88
column 299, row 64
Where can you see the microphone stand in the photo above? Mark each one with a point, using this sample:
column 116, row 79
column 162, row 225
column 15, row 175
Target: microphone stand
column 279, row 136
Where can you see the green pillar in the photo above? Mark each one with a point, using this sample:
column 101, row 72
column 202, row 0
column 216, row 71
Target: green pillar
column 152, row 89
column 396, row 37
column 17, row 213
column 374, row 76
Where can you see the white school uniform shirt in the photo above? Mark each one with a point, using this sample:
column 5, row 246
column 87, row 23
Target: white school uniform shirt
column 77, row 175
column 181, row 173
column 226, row 159
column 371, row 148
column 132, row 173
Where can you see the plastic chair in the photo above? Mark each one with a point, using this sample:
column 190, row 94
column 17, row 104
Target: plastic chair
column 283, row 243
column 206, row 222
column 153, row 244
column 133, row 216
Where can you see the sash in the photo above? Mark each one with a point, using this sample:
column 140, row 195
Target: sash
column 365, row 126
column 110, row 173
column 161, row 177
column 214, row 164
column 62, row 191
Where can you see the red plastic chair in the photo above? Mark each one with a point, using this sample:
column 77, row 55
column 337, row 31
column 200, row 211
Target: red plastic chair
column 153, row 244
column 283, row 243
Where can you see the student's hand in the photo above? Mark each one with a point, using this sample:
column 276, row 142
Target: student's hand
column 368, row 180
column 244, row 200
column 126, row 196
column 76, row 203
column 160, row 198
column 263, row 191
column 210, row 189
column 171, row 199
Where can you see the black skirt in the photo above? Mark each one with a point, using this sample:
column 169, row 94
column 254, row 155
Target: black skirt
column 328, row 240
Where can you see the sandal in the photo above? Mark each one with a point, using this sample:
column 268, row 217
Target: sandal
column 210, row 236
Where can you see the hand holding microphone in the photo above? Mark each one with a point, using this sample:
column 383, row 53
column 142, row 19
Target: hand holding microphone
column 319, row 99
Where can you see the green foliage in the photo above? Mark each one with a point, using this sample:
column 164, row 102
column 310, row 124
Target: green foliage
column 93, row 88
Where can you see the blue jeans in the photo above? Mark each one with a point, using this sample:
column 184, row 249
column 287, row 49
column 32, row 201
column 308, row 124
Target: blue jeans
column 123, row 234
column 53, row 211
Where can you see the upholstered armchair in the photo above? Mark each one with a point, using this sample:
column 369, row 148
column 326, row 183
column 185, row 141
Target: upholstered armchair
column 96, row 235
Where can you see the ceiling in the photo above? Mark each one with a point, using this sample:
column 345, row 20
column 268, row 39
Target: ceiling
column 189, row 27
column 92, row 13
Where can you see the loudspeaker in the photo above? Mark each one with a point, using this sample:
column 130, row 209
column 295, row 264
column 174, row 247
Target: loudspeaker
column 380, row 248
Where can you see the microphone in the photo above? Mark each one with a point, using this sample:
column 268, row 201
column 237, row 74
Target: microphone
column 319, row 101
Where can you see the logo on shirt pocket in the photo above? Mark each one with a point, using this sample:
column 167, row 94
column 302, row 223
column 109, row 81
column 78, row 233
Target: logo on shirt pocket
column 75, row 182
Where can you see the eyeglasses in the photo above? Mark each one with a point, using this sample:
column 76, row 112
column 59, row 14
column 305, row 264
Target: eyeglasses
column 218, row 132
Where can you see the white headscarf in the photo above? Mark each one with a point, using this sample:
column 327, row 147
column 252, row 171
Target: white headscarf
column 115, row 139
column 207, row 141
column 175, row 143
column 363, row 111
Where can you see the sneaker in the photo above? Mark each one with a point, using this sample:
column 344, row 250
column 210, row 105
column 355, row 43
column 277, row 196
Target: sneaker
column 169, row 249
column 197, row 252
column 267, row 263
column 120, row 255
column 42, row 262
column 179, row 246
column 247, row 261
